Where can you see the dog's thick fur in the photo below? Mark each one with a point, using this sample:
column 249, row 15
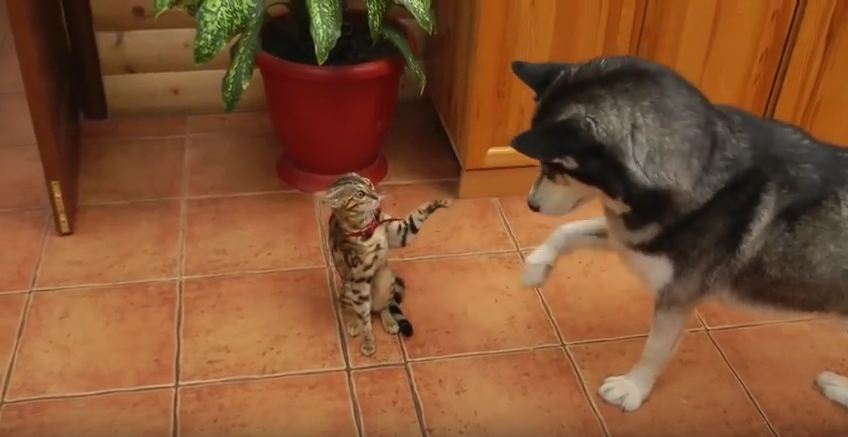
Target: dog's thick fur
column 700, row 200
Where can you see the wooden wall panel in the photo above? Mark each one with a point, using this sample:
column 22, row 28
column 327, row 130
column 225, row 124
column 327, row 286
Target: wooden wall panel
column 176, row 92
column 814, row 93
column 481, row 103
column 730, row 49
column 151, row 51
column 116, row 15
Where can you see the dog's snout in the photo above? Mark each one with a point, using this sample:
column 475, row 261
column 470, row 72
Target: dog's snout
column 533, row 207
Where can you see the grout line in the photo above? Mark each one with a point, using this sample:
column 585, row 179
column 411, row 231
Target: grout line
column 255, row 272
column 63, row 288
column 761, row 324
column 23, row 209
column 111, row 391
column 356, row 410
column 417, row 403
column 186, row 196
column 453, row 255
column 742, row 384
column 260, row 377
column 486, row 353
column 25, row 311
column 581, row 381
column 181, row 268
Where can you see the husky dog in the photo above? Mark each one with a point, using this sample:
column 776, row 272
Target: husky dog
column 699, row 200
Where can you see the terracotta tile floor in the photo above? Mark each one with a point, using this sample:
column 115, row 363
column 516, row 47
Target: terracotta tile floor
column 195, row 299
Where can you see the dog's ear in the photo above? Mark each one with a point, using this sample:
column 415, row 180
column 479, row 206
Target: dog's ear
column 563, row 139
column 537, row 76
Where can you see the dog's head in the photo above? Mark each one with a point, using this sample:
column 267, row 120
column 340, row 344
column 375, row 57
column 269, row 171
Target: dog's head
column 594, row 125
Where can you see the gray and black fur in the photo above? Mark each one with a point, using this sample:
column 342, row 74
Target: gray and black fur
column 360, row 237
column 699, row 199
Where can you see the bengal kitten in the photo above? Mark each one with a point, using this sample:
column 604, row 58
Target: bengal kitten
column 360, row 237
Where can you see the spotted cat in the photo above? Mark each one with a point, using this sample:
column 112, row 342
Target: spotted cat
column 360, row 237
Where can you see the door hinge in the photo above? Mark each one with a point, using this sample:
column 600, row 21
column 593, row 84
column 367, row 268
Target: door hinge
column 59, row 207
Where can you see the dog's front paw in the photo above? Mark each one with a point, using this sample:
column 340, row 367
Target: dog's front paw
column 624, row 391
column 538, row 266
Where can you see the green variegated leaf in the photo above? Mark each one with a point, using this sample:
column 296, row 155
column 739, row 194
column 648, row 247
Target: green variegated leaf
column 326, row 26
column 190, row 6
column 218, row 21
column 376, row 13
column 398, row 38
column 161, row 6
column 421, row 10
column 242, row 61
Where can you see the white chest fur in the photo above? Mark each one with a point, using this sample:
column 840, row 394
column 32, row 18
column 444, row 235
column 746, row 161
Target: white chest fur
column 656, row 270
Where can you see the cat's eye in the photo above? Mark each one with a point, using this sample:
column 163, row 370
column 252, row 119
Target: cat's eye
column 360, row 194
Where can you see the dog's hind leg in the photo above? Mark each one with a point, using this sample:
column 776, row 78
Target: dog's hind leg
column 630, row 390
column 834, row 387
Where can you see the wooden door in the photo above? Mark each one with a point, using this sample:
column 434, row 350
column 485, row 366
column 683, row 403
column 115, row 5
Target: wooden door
column 814, row 93
column 730, row 49
column 43, row 48
column 479, row 100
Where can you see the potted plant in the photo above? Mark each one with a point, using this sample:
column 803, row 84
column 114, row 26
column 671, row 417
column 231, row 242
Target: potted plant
column 331, row 75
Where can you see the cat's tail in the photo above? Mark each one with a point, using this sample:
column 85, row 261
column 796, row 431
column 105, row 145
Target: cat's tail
column 404, row 325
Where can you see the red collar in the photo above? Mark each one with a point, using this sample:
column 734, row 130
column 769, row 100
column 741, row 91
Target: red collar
column 372, row 226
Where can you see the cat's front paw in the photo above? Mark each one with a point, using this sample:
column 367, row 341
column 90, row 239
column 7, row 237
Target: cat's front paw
column 538, row 266
column 442, row 203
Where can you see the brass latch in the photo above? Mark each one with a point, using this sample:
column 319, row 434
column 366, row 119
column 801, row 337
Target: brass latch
column 59, row 207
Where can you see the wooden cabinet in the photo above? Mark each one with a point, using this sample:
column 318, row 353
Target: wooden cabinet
column 814, row 92
column 770, row 57
column 730, row 49
column 480, row 102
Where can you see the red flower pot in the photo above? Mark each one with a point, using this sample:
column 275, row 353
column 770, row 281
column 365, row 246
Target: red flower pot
column 330, row 120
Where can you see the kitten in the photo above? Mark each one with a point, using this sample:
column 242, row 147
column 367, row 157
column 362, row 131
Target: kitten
column 360, row 237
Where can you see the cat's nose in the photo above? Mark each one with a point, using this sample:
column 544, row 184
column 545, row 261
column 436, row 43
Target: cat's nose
column 533, row 207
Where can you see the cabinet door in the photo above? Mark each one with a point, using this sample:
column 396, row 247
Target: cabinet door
column 814, row 94
column 479, row 100
column 730, row 49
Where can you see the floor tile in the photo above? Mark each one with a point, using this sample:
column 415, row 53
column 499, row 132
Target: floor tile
column 385, row 402
column 593, row 295
column 21, row 178
column 779, row 364
column 718, row 314
column 88, row 340
column 417, row 147
column 114, row 243
column 251, row 233
column 532, row 228
column 469, row 225
column 238, row 122
column 123, row 170
column 388, row 346
column 528, row 393
column 15, row 120
column 258, row 325
column 135, row 127
column 137, row 414
column 21, row 233
column 471, row 304
column 316, row 405
column 697, row 392
column 228, row 163
column 10, row 73
column 11, row 310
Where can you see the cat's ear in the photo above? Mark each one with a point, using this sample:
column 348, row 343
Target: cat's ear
column 333, row 198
